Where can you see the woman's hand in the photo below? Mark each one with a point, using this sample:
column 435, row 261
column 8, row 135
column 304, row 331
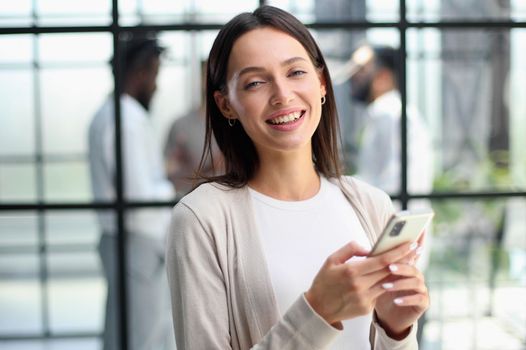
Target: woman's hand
column 407, row 296
column 343, row 290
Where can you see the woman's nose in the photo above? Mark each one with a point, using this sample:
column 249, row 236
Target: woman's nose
column 282, row 93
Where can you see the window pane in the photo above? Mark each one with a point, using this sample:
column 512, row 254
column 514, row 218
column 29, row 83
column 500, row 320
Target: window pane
column 54, row 344
column 477, row 275
column 17, row 182
column 303, row 10
column 68, row 181
column 214, row 10
column 467, row 84
column 133, row 12
column 176, row 79
column 435, row 10
column 17, row 228
column 16, row 49
column 73, row 87
column 172, row 78
column 17, row 133
column 340, row 10
column 15, row 13
column 167, row 11
column 518, row 10
column 73, row 228
column 69, row 48
column 70, row 98
column 20, row 307
column 76, row 283
column 74, row 12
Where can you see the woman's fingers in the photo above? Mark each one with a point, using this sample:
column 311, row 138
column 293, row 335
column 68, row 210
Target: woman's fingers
column 343, row 290
column 379, row 262
column 346, row 252
column 357, row 281
column 419, row 300
column 411, row 281
column 405, row 270
column 405, row 284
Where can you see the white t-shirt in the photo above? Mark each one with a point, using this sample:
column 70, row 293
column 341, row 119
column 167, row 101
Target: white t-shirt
column 298, row 236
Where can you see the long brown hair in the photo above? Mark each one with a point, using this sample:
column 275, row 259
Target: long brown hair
column 240, row 156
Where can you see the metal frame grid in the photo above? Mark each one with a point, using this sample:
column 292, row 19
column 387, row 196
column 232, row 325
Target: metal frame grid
column 120, row 205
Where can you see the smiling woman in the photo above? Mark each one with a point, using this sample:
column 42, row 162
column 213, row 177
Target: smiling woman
column 271, row 254
column 276, row 97
column 245, row 79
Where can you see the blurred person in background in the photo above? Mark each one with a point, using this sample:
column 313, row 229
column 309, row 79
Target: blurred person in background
column 373, row 75
column 184, row 146
column 144, row 180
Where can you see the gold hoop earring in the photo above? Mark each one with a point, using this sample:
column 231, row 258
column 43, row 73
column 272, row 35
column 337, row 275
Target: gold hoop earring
column 231, row 122
column 323, row 99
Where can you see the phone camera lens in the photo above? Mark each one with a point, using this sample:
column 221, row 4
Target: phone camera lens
column 397, row 228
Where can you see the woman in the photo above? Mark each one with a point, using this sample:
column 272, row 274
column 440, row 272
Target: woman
column 271, row 254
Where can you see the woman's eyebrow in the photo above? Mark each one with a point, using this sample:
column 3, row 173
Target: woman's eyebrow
column 250, row 69
column 292, row 60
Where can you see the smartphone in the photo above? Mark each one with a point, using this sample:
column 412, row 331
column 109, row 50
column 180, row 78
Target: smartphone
column 404, row 226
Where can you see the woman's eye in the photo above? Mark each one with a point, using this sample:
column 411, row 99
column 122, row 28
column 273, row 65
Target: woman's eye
column 253, row 84
column 297, row 73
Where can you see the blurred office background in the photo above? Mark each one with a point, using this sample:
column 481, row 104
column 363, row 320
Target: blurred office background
column 464, row 71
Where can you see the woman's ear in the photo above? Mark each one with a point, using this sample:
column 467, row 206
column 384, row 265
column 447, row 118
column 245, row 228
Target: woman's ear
column 323, row 85
column 223, row 105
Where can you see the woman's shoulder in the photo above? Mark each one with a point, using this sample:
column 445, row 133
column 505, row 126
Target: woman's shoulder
column 362, row 189
column 375, row 201
column 206, row 209
column 212, row 197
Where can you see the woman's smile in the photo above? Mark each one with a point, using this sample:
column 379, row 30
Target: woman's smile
column 286, row 120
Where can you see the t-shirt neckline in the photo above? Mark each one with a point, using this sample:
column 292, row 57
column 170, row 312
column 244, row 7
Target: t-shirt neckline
column 306, row 204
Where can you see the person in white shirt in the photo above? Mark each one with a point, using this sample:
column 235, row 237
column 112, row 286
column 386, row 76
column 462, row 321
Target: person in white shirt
column 374, row 82
column 144, row 180
column 272, row 254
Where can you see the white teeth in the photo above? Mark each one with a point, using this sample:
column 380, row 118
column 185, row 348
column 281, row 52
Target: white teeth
column 286, row 118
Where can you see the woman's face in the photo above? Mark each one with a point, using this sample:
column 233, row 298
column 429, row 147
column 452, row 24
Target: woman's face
column 274, row 91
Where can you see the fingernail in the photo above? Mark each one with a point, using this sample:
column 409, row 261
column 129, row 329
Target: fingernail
column 398, row 301
column 413, row 246
column 387, row 285
column 393, row 268
column 419, row 250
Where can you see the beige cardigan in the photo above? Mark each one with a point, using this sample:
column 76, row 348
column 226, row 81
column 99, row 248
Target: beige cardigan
column 222, row 297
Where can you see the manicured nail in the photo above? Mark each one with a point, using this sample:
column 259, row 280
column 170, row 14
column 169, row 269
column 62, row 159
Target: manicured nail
column 413, row 246
column 387, row 285
column 393, row 268
column 398, row 301
column 419, row 250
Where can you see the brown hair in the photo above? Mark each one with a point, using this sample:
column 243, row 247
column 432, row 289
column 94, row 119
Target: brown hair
column 240, row 157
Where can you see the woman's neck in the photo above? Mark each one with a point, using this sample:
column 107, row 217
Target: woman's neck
column 286, row 177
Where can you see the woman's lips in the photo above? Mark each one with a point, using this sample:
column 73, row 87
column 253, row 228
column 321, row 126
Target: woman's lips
column 286, row 118
column 287, row 122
